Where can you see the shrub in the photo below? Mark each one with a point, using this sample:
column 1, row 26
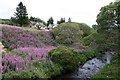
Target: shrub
column 7, row 21
column 67, row 33
column 66, row 57
column 48, row 69
column 86, row 55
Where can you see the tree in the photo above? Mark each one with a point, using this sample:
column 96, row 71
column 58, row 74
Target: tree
column 108, row 28
column 50, row 21
column 87, row 30
column 32, row 18
column 94, row 26
column 21, row 16
column 58, row 22
column 37, row 20
column 118, row 23
column 69, row 20
column 62, row 20
column 67, row 33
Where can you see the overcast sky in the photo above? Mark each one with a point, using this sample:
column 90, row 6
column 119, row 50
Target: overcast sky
column 84, row 11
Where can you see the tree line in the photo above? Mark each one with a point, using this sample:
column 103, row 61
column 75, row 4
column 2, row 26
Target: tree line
column 107, row 30
column 21, row 17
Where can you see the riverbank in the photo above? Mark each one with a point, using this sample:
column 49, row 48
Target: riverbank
column 90, row 68
column 111, row 70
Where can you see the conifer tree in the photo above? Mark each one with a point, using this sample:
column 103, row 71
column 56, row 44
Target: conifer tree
column 21, row 16
column 50, row 21
column 69, row 20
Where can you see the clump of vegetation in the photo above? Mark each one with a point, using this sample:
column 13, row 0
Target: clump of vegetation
column 69, row 58
column 66, row 57
column 85, row 56
column 67, row 33
column 7, row 21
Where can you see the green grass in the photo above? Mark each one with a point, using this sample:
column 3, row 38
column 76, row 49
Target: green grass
column 110, row 70
column 28, row 28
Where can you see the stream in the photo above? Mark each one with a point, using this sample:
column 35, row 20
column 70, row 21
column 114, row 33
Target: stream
column 90, row 67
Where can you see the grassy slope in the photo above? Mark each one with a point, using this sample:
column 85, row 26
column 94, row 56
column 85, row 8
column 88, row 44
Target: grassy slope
column 45, row 70
column 110, row 70
column 27, row 37
column 32, row 29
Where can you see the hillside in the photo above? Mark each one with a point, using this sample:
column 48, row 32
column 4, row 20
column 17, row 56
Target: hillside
column 15, row 37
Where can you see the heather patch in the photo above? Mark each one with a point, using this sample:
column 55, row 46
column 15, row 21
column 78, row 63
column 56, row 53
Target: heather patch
column 23, row 58
column 14, row 37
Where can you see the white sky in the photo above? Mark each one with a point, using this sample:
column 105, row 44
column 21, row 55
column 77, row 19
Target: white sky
column 78, row 10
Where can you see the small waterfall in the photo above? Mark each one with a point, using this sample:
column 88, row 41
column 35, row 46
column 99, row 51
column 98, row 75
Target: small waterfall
column 107, row 57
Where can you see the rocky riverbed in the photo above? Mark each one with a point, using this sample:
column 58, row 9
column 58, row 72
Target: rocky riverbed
column 90, row 67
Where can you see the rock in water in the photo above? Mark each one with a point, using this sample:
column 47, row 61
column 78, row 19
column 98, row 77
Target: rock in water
column 108, row 57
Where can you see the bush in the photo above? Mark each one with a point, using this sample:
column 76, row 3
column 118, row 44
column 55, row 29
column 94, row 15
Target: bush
column 67, row 33
column 66, row 57
column 48, row 69
column 7, row 21
column 86, row 56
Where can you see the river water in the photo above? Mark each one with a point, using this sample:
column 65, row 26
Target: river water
column 90, row 67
